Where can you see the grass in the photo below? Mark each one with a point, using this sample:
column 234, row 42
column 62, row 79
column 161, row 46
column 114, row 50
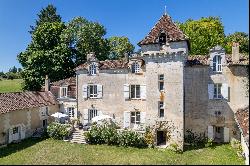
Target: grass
column 10, row 85
column 59, row 152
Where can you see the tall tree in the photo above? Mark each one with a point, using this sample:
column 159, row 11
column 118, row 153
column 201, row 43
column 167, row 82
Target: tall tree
column 119, row 46
column 46, row 55
column 83, row 37
column 47, row 14
column 204, row 34
column 242, row 38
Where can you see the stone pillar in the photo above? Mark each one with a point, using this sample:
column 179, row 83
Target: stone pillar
column 47, row 84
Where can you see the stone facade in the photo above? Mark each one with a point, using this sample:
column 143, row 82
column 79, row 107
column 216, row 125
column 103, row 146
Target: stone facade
column 186, row 100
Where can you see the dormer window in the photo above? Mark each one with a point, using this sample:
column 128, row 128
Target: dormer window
column 162, row 39
column 135, row 67
column 92, row 69
column 217, row 63
column 63, row 92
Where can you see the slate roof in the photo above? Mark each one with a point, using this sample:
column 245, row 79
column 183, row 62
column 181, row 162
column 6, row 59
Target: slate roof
column 23, row 100
column 107, row 64
column 242, row 118
column 167, row 25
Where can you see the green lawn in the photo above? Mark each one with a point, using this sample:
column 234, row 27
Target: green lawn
column 10, row 85
column 58, row 152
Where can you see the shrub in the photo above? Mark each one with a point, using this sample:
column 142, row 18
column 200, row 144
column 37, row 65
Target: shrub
column 175, row 147
column 194, row 139
column 209, row 142
column 149, row 138
column 58, row 131
column 107, row 134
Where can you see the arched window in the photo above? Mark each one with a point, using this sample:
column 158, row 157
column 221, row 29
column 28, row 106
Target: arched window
column 135, row 67
column 217, row 63
column 92, row 69
column 162, row 39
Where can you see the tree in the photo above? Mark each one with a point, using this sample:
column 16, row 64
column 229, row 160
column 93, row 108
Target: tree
column 83, row 37
column 203, row 34
column 13, row 69
column 46, row 15
column 119, row 46
column 46, row 55
column 242, row 38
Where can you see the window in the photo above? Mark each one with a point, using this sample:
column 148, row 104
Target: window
column 135, row 67
column 217, row 63
column 15, row 130
column 92, row 113
column 217, row 113
column 45, row 122
column 162, row 39
column 217, row 91
column 92, row 69
column 161, row 82
column 135, row 117
column 217, row 129
column 47, row 111
column 92, row 91
column 161, row 109
column 135, row 91
column 71, row 112
column 63, row 91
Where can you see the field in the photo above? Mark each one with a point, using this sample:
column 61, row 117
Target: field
column 59, row 152
column 10, row 85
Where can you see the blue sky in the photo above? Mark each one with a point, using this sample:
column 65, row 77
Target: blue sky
column 131, row 18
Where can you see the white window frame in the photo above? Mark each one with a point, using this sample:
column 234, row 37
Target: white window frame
column 92, row 69
column 71, row 112
column 15, row 130
column 217, row 64
column 217, row 91
column 161, row 81
column 135, row 117
column 93, row 95
column 161, row 107
column 135, row 67
column 63, row 90
column 136, row 93
column 92, row 113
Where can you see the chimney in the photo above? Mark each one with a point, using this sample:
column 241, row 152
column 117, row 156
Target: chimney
column 91, row 56
column 47, row 84
column 235, row 52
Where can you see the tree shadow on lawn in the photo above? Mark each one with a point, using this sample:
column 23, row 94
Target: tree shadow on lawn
column 213, row 146
column 15, row 147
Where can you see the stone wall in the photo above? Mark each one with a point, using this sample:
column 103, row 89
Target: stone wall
column 28, row 119
column 200, row 110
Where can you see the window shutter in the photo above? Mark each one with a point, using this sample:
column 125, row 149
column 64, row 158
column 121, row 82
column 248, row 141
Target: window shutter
column 126, row 91
column 10, row 135
column 211, row 62
column 210, row 91
column 224, row 91
column 99, row 91
column 85, row 91
column 126, row 120
column 143, row 117
column 226, row 134
column 210, row 133
column 22, row 129
column 143, row 91
column 85, row 116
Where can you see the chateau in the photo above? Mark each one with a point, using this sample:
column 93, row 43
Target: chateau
column 163, row 88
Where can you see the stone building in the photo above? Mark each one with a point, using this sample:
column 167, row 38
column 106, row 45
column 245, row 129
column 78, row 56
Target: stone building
column 165, row 88
column 22, row 113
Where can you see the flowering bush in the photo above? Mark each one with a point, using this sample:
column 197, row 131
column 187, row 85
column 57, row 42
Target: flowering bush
column 58, row 131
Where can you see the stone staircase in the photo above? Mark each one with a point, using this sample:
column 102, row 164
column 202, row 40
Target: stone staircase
column 78, row 137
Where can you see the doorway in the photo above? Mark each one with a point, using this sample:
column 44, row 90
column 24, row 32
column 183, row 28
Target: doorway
column 218, row 134
column 16, row 133
column 161, row 137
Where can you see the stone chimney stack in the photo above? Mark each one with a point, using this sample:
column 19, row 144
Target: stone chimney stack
column 91, row 56
column 47, row 84
column 235, row 52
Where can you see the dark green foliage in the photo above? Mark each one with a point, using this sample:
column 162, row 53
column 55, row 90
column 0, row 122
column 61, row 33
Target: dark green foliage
column 106, row 134
column 46, row 15
column 203, row 34
column 58, row 131
column 240, row 37
column 119, row 46
column 195, row 139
